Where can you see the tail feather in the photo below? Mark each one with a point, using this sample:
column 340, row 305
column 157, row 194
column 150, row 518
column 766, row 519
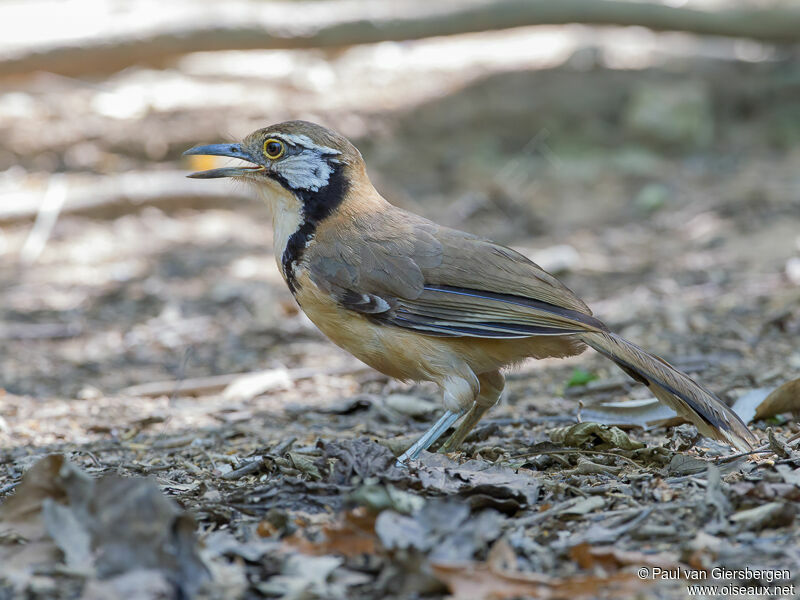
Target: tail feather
column 675, row 389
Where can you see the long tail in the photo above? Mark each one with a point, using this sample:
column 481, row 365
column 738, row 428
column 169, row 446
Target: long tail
column 675, row 389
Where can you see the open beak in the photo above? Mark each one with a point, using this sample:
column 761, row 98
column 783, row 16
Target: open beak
column 232, row 150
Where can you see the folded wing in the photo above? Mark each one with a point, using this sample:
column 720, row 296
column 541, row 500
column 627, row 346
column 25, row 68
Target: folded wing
column 444, row 282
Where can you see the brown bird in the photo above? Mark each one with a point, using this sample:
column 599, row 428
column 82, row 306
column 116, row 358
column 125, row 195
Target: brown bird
column 422, row 302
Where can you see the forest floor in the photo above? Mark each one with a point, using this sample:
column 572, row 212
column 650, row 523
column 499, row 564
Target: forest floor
column 685, row 239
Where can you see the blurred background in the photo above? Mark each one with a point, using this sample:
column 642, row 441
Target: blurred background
column 646, row 152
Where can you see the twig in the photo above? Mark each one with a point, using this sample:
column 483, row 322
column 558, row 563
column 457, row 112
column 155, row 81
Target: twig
column 284, row 446
column 46, row 218
column 765, row 449
column 248, row 469
column 576, row 451
column 7, row 488
column 793, row 438
column 726, row 459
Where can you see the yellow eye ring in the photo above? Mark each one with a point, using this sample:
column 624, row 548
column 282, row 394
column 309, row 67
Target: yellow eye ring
column 274, row 149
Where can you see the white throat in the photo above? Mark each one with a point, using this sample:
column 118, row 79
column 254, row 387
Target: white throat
column 287, row 216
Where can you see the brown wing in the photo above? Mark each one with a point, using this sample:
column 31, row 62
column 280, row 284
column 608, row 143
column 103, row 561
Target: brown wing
column 406, row 271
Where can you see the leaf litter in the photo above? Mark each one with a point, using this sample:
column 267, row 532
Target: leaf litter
column 339, row 519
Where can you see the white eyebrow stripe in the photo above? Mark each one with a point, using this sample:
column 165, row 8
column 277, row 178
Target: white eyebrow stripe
column 295, row 139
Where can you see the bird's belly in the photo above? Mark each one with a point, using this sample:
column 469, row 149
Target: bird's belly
column 408, row 355
column 394, row 352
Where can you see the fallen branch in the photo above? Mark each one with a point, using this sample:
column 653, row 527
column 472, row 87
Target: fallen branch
column 199, row 386
column 334, row 24
column 117, row 194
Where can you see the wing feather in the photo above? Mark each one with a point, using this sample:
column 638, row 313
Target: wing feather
column 407, row 272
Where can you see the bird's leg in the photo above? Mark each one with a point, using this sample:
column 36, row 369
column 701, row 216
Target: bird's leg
column 459, row 393
column 430, row 436
column 491, row 387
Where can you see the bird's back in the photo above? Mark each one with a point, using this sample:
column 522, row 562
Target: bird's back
column 391, row 251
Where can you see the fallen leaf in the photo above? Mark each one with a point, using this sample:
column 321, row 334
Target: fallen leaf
column 717, row 506
column 583, row 506
column 139, row 584
column 223, row 543
column 612, row 558
column 786, row 398
column 484, row 485
column 588, row 467
column 379, row 497
column 352, row 535
column 594, row 435
column 472, row 580
column 51, row 477
column 686, row 464
column 402, row 532
column 362, row 458
column 747, row 404
column 304, row 464
column 100, row 528
column 773, row 514
column 766, row 491
column 777, row 444
column 69, row 534
column 704, row 549
column 304, row 577
column 645, row 412
column 788, row 474
column 444, row 529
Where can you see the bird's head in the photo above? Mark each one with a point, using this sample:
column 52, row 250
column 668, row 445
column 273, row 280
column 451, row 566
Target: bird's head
column 303, row 158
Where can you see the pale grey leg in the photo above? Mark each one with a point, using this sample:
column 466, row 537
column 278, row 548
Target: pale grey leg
column 429, row 437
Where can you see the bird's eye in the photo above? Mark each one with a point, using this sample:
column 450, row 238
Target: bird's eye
column 274, row 148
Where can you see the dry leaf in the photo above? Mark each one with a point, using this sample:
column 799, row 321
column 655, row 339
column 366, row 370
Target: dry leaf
column 784, row 399
column 353, row 535
column 611, row 558
column 498, row 578
column 766, row 491
column 747, row 404
column 583, row 506
column 594, row 435
column 641, row 412
column 471, row 580
column 102, row 528
column 774, row 514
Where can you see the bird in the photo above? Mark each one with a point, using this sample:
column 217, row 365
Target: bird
column 418, row 301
